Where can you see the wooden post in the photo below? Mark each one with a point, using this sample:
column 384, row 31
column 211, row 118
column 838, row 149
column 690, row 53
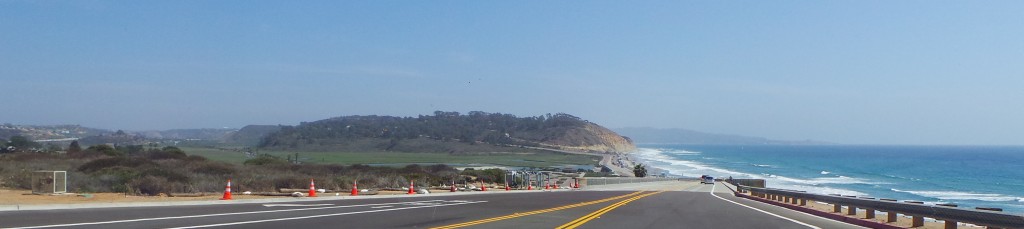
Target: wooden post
column 851, row 210
column 917, row 221
column 869, row 213
column 950, row 224
column 836, row 208
column 803, row 202
column 890, row 216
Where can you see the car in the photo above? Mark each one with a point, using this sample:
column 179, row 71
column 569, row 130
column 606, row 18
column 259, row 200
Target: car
column 707, row 179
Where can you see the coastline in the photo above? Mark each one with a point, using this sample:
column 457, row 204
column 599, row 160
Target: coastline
column 874, row 171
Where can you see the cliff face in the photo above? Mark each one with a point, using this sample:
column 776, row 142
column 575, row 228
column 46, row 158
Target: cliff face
column 591, row 137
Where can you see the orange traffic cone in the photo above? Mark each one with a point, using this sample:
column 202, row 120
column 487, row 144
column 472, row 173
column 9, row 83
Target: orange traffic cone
column 546, row 185
column 506, row 187
column 453, row 186
column 412, row 187
column 355, row 188
column 227, row 191
column 529, row 186
column 312, row 188
column 482, row 186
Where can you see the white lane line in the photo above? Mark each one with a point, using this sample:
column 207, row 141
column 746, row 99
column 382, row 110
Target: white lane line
column 318, row 216
column 762, row 211
column 388, row 206
column 210, row 215
column 296, row 205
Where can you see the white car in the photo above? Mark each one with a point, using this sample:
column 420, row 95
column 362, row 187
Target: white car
column 707, row 180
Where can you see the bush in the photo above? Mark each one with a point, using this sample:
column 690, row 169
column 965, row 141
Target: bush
column 213, row 168
column 152, row 185
column 163, row 155
column 99, row 164
column 165, row 173
column 265, row 159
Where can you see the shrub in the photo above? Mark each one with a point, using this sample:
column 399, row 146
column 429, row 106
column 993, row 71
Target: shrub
column 265, row 159
column 161, row 155
column 153, row 185
column 213, row 168
column 99, row 164
column 171, row 176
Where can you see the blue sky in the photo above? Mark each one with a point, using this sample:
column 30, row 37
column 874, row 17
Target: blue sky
column 859, row 72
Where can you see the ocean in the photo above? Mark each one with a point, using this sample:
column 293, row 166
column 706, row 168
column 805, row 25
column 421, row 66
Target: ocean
column 970, row 176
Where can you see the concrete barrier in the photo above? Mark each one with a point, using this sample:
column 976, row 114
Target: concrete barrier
column 915, row 209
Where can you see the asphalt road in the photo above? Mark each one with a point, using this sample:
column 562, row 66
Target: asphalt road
column 668, row 205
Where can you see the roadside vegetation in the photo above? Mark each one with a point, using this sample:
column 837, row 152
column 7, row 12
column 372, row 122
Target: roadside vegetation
column 149, row 170
column 523, row 159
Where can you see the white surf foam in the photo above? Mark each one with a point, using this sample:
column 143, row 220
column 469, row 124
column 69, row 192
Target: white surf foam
column 659, row 158
column 954, row 195
column 823, row 172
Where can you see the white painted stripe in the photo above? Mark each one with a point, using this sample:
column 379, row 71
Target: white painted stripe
column 210, row 215
column 382, row 207
column 815, row 216
column 318, row 216
column 762, row 211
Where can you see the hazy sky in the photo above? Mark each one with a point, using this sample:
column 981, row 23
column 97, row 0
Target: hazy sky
column 861, row 72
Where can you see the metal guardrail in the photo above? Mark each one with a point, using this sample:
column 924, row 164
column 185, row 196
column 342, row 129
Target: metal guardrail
column 915, row 209
column 620, row 180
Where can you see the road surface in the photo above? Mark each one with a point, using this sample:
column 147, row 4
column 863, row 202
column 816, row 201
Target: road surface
column 650, row 205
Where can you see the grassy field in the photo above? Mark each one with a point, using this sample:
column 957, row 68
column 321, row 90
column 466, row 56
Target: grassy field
column 538, row 159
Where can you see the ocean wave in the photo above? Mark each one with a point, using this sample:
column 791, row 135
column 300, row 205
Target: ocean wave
column 954, row 195
column 662, row 160
column 823, row 172
column 757, row 165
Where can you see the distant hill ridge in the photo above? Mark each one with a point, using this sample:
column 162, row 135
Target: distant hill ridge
column 447, row 132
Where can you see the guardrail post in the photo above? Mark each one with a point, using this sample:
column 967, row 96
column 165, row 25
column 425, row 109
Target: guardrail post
column 803, row 202
column 890, row 216
column 868, row 213
column 916, row 221
column 851, row 210
column 837, row 208
column 948, row 223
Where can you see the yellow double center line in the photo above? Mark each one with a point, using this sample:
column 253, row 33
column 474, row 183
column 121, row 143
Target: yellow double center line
column 598, row 213
column 517, row 215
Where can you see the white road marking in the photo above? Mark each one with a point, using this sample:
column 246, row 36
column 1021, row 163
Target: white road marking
column 210, row 215
column 762, row 211
column 296, row 205
column 388, row 206
column 815, row 216
column 318, row 216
